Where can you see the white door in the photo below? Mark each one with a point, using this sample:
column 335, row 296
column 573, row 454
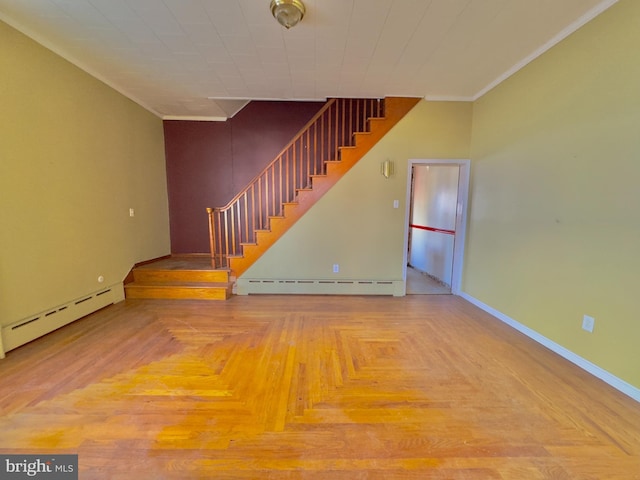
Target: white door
column 433, row 220
column 436, row 216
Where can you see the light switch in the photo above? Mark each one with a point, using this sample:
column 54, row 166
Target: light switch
column 396, row 203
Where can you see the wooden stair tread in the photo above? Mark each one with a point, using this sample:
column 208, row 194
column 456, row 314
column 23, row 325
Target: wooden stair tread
column 181, row 273
column 180, row 291
column 194, row 271
column 178, row 262
column 179, row 284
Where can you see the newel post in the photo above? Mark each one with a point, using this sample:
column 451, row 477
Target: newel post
column 212, row 243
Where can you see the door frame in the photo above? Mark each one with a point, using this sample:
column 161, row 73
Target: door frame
column 461, row 218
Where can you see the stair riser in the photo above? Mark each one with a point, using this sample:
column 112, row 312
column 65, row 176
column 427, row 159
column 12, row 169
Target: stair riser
column 179, row 293
column 170, row 276
column 290, row 208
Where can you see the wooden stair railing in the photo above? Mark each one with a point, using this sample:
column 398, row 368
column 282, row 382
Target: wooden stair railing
column 328, row 146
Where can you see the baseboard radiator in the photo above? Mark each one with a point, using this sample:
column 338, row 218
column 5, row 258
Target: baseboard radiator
column 248, row 286
column 39, row 324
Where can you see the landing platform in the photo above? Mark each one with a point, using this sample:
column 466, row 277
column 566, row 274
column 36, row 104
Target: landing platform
column 180, row 277
column 180, row 262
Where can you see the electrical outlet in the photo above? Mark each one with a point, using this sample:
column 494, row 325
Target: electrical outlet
column 588, row 323
column 132, row 212
column 336, row 268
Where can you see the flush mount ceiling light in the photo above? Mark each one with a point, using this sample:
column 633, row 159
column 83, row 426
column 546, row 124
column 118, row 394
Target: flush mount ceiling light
column 287, row 12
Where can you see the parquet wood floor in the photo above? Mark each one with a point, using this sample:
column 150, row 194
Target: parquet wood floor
column 306, row 387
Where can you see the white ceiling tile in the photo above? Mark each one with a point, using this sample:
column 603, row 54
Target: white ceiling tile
column 188, row 12
column 136, row 31
column 227, row 17
column 257, row 13
column 238, row 44
column 272, row 56
column 398, row 31
column 266, row 36
column 179, row 44
column 207, row 37
column 115, row 10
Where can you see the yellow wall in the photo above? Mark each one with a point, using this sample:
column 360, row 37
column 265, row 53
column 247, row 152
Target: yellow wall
column 74, row 157
column 554, row 225
column 355, row 224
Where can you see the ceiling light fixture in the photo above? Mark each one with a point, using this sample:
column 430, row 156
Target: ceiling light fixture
column 287, row 12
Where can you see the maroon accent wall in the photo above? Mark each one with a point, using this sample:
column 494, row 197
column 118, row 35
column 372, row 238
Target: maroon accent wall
column 209, row 162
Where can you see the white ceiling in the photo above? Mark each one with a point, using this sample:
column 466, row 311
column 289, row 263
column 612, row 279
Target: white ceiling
column 206, row 58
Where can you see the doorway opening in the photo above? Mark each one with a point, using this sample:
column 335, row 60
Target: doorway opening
column 435, row 226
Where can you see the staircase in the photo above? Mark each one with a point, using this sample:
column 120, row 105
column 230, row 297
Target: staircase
column 180, row 277
column 333, row 142
column 325, row 149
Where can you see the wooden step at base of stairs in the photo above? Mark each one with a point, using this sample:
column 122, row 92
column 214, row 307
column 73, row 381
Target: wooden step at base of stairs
column 180, row 277
column 179, row 290
column 167, row 276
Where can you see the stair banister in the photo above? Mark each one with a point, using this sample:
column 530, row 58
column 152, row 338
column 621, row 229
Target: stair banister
column 320, row 140
column 284, row 150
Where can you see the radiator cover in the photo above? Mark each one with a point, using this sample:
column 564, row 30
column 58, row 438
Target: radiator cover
column 247, row 286
column 39, row 324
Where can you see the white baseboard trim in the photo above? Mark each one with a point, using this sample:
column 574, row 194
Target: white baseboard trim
column 586, row 365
